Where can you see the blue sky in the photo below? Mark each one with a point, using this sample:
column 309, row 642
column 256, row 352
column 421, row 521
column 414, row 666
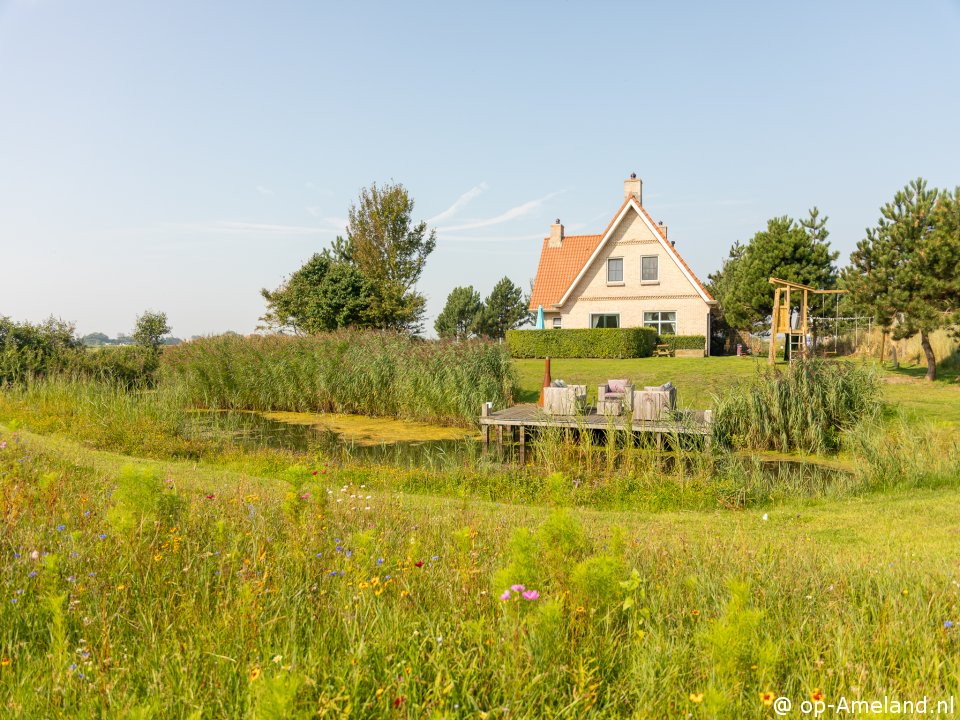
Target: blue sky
column 182, row 155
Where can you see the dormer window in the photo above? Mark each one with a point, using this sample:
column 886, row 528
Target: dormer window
column 649, row 269
column 615, row 271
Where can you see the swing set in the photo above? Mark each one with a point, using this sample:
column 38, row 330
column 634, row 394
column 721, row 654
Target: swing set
column 796, row 330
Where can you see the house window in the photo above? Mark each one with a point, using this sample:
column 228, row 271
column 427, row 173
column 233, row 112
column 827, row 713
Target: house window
column 664, row 322
column 558, row 323
column 649, row 268
column 615, row 270
column 605, row 321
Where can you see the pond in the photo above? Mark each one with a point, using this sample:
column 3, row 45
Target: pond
column 419, row 445
column 344, row 437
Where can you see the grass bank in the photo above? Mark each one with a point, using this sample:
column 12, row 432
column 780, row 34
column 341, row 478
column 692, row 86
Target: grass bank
column 144, row 589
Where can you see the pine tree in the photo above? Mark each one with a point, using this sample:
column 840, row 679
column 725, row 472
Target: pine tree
column 504, row 309
column 460, row 315
column 905, row 271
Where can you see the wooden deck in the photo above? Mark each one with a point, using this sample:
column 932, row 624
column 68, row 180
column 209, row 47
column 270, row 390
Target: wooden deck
column 520, row 417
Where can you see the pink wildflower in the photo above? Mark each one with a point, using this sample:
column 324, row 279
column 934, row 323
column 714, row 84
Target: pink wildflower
column 517, row 588
column 531, row 595
column 506, row 595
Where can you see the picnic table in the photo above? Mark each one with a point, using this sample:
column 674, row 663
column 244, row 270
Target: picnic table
column 663, row 350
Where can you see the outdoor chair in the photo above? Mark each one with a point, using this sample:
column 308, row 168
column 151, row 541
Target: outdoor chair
column 650, row 403
column 615, row 393
column 562, row 399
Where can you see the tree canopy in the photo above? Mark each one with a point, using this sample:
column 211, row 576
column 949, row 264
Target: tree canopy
column 504, row 309
column 905, row 272
column 366, row 279
column 324, row 294
column 460, row 315
column 390, row 250
column 795, row 251
column 150, row 329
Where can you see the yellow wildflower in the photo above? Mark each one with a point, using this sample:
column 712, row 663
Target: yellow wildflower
column 767, row 698
column 255, row 673
column 696, row 697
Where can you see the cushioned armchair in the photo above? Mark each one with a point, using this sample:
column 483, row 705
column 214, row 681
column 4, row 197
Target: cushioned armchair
column 616, row 390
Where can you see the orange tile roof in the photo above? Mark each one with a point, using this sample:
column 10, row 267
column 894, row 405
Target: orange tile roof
column 560, row 266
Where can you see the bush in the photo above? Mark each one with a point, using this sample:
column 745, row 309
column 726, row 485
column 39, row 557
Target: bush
column 28, row 350
column 370, row 373
column 585, row 343
column 683, row 342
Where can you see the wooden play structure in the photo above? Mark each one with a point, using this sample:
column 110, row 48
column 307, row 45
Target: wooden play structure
column 795, row 338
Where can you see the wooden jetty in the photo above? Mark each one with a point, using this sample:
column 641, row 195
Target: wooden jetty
column 518, row 418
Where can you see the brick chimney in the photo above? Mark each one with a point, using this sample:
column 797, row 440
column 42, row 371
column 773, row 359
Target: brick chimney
column 556, row 235
column 633, row 186
column 663, row 228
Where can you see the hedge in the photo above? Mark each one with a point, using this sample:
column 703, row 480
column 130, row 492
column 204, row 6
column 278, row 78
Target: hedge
column 585, row 343
column 683, row 342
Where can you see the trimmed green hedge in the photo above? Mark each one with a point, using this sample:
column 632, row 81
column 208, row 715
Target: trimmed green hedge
column 683, row 342
column 587, row 343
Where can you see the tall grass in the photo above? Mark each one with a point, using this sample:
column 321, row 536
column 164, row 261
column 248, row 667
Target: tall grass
column 352, row 372
column 139, row 591
column 803, row 407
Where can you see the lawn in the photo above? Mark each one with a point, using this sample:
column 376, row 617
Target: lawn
column 698, row 380
column 164, row 589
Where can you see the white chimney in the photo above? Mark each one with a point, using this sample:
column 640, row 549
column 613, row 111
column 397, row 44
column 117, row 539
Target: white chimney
column 556, row 235
column 663, row 228
column 633, row 186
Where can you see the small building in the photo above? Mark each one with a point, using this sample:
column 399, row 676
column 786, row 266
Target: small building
column 630, row 275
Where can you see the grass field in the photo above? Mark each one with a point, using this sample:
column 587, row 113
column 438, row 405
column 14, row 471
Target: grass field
column 698, row 380
column 147, row 574
column 215, row 593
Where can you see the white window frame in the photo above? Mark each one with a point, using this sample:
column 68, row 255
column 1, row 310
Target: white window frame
column 656, row 280
column 593, row 315
column 659, row 323
column 558, row 322
column 623, row 270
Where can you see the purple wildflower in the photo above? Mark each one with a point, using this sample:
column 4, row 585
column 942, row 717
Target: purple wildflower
column 531, row 595
column 506, row 595
column 948, row 624
column 518, row 588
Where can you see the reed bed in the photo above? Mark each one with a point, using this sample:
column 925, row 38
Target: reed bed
column 806, row 406
column 371, row 373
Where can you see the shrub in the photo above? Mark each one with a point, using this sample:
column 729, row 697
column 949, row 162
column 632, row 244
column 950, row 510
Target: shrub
column 28, row 350
column 372, row 373
column 683, row 342
column 582, row 343
column 804, row 407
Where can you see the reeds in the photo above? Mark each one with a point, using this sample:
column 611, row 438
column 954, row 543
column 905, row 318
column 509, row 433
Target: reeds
column 805, row 406
column 372, row 373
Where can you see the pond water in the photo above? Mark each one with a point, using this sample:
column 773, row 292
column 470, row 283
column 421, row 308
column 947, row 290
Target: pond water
column 420, row 445
column 376, row 440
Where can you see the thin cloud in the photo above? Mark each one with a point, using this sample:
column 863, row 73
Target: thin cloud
column 459, row 204
column 250, row 228
column 263, row 190
column 512, row 214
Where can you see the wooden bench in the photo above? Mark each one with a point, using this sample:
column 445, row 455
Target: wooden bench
column 663, row 351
